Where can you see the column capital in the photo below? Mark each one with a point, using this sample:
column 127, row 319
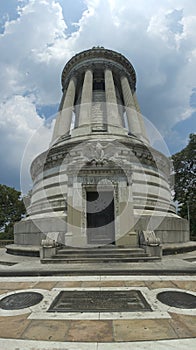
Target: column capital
column 89, row 69
column 107, row 67
column 74, row 78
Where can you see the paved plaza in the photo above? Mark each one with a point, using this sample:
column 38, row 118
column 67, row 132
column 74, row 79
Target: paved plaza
column 161, row 327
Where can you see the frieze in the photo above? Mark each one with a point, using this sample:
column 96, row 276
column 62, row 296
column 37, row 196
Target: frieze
column 94, row 180
column 100, row 156
column 97, row 64
column 99, row 172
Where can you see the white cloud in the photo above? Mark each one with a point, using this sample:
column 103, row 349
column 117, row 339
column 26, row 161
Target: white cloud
column 159, row 40
column 40, row 47
column 20, row 125
column 30, row 66
column 18, row 119
column 33, row 51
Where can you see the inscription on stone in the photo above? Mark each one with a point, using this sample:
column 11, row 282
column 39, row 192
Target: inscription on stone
column 99, row 301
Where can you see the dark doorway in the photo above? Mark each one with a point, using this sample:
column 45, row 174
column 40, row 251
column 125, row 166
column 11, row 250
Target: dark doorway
column 100, row 217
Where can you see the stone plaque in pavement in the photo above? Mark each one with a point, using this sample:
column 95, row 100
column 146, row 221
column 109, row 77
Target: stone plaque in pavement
column 177, row 299
column 100, row 301
column 20, row 300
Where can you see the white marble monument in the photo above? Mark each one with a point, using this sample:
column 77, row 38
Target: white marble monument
column 100, row 182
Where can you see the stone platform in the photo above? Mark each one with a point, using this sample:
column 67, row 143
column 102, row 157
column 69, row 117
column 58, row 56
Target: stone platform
column 34, row 250
column 35, row 328
column 159, row 327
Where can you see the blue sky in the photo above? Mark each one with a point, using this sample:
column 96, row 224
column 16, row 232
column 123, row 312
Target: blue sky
column 38, row 37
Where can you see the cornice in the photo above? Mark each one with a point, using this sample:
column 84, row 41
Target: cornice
column 103, row 55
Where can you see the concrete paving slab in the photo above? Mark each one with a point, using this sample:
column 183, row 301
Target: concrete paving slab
column 54, row 330
column 189, row 285
column 94, row 331
column 160, row 284
column 136, row 330
column 185, row 326
column 13, row 327
column 45, row 285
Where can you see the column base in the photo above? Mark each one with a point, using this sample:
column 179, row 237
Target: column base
column 81, row 130
column 116, row 129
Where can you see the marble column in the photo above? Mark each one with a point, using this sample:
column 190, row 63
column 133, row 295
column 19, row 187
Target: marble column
column 64, row 118
column 113, row 117
column 132, row 116
column 140, row 117
column 86, row 99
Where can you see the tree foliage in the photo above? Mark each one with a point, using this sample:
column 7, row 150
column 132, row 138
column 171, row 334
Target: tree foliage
column 185, row 182
column 11, row 208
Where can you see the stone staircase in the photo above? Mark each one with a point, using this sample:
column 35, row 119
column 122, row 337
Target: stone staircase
column 106, row 254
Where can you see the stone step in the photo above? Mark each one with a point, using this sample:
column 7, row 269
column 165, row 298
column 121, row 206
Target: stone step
column 106, row 254
column 101, row 256
column 100, row 250
column 70, row 260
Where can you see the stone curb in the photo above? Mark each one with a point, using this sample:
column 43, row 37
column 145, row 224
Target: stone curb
column 77, row 272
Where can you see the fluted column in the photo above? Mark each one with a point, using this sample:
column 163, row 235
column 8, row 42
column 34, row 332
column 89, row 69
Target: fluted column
column 140, row 117
column 132, row 117
column 64, row 118
column 86, row 99
column 113, row 116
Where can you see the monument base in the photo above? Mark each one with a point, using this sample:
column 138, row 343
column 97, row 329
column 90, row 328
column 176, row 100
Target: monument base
column 28, row 234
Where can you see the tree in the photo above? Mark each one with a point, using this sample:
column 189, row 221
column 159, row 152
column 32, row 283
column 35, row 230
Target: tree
column 185, row 182
column 11, row 208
